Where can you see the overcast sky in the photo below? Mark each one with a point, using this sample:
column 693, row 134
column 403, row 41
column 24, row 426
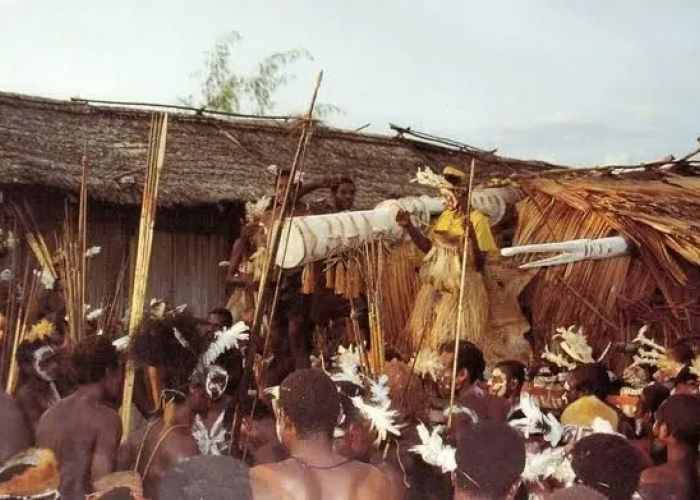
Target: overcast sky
column 569, row 81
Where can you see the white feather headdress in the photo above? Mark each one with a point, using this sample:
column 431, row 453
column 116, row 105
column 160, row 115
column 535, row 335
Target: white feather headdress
column 426, row 177
column 254, row 209
column 574, row 346
column 432, row 449
column 536, row 422
column 347, row 363
column 225, row 340
column 381, row 417
column 427, row 363
column 649, row 353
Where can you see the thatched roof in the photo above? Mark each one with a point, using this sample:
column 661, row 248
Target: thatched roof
column 208, row 160
column 659, row 214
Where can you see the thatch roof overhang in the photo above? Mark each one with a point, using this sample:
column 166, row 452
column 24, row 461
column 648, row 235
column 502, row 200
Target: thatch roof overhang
column 208, row 160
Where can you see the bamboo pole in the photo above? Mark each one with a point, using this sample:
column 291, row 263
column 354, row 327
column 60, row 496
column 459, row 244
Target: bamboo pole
column 273, row 247
column 460, row 307
column 156, row 156
column 82, row 238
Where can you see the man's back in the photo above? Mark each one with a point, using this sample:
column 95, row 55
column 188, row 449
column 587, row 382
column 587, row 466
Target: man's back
column 15, row 434
column 73, row 429
column 295, row 480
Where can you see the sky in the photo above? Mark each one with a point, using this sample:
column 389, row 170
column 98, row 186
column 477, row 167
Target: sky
column 575, row 82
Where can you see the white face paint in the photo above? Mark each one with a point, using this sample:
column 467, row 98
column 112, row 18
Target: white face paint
column 498, row 383
column 216, row 382
column 41, row 355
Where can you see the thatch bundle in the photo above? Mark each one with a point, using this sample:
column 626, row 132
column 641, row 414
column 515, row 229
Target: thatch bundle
column 658, row 286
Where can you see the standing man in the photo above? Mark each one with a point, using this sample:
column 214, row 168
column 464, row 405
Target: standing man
column 37, row 392
column 84, row 429
column 308, row 411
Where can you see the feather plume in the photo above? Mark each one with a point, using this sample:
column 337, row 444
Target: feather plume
column 225, row 340
column 642, row 340
column 254, row 209
column 381, row 417
column 273, row 392
column 536, row 422
column 347, row 363
column 426, row 177
column 575, row 344
column 549, row 463
column 122, row 343
column 380, row 390
column 432, row 449
column 427, row 363
column 557, row 359
column 46, row 277
column 40, row 331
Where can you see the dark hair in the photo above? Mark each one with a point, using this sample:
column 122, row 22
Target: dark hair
column 93, row 357
column 310, row 399
column 607, row 463
column 469, row 358
column 592, row 378
column 206, row 476
column 156, row 344
column 225, row 315
column 490, row 458
column 513, row 370
column 653, row 395
column 681, row 414
column 340, row 181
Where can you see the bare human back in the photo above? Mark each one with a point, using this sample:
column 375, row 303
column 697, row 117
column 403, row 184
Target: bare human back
column 84, row 430
column 297, row 480
column 15, row 434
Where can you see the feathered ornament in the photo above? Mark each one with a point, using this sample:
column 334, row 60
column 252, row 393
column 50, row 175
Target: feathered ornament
column 380, row 390
column 575, row 344
column 347, row 363
column 427, row 363
column 225, row 340
column 557, row 359
column 426, row 177
column 381, row 417
column 92, row 251
column 40, row 331
column 536, row 422
column 432, row 449
column 210, row 441
column 254, row 209
column 273, row 392
column 549, row 463
column 122, row 343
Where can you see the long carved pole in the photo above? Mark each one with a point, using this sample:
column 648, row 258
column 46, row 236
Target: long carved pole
column 460, row 307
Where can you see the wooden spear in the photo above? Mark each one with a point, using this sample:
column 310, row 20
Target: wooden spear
column 460, row 307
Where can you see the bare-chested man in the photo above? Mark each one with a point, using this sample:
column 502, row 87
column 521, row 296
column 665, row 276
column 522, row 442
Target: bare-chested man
column 308, row 411
column 15, row 434
column 84, row 429
column 678, row 428
column 173, row 346
column 37, row 392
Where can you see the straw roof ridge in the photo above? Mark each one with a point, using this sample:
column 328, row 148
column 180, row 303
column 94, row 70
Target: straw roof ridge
column 208, row 160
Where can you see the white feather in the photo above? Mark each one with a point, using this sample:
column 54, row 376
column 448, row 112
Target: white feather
column 462, row 410
column 93, row 315
column 426, row 177
column 432, row 449
column 347, row 363
column 382, row 418
column 536, row 422
column 225, row 340
column 47, row 279
column 427, row 363
column 224, row 263
column 122, row 343
column 274, row 391
column 380, row 390
column 257, row 208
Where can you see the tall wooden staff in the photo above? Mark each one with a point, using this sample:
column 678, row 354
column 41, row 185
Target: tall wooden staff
column 273, row 246
column 460, row 307
column 156, row 156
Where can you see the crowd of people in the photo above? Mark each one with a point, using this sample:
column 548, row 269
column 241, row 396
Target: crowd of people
column 219, row 414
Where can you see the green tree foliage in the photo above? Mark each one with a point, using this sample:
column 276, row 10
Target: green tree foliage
column 223, row 88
